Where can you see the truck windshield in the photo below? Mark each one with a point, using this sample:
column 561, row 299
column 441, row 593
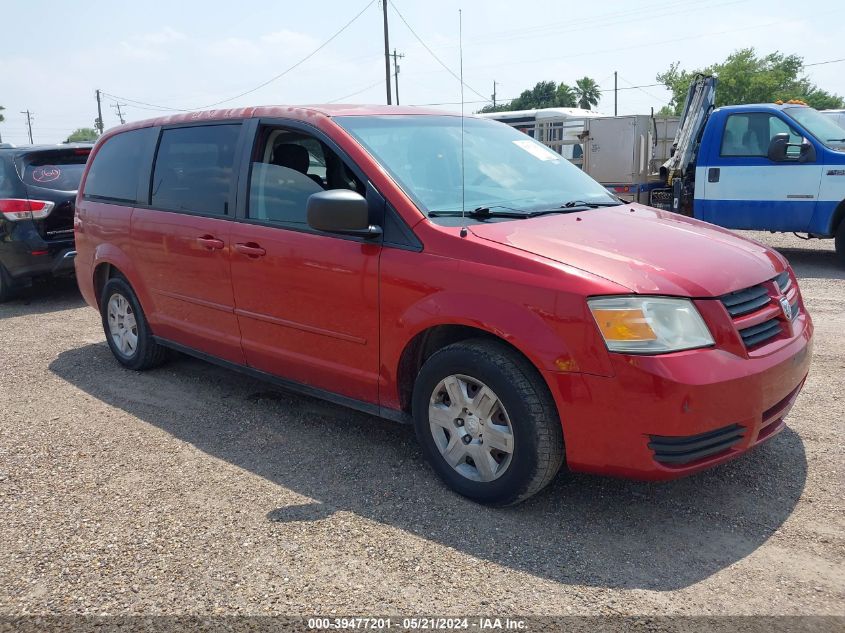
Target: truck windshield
column 503, row 168
column 820, row 126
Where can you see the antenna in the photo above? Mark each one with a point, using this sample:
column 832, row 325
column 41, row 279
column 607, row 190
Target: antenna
column 463, row 187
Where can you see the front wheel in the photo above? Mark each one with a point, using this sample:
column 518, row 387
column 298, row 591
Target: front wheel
column 126, row 328
column 487, row 422
column 840, row 243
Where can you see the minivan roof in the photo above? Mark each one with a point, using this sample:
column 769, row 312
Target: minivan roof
column 304, row 112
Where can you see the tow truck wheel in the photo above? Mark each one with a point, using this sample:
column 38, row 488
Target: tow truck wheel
column 840, row 243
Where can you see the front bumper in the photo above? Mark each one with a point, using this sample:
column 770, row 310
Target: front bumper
column 662, row 417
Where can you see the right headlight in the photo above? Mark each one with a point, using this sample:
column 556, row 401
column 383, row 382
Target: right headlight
column 649, row 325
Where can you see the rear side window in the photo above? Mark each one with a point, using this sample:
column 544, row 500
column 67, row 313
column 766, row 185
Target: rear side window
column 194, row 169
column 114, row 174
column 60, row 170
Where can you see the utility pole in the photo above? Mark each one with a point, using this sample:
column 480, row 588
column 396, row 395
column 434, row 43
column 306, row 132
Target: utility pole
column 386, row 52
column 396, row 58
column 29, row 124
column 99, row 120
column 116, row 106
column 615, row 94
column 494, row 93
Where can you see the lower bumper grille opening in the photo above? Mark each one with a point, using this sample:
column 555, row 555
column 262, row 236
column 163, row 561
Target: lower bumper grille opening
column 680, row 450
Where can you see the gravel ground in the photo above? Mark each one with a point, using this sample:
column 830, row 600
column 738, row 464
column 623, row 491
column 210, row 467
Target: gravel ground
column 194, row 490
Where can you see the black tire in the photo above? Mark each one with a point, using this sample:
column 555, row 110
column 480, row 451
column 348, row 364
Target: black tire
column 537, row 434
column 6, row 289
column 147, row 353
column 840, row 243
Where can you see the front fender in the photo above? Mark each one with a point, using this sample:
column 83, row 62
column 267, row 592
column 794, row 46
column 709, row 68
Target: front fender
column 555, row 337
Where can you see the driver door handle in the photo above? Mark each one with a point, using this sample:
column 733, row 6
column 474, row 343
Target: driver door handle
column 250, row 249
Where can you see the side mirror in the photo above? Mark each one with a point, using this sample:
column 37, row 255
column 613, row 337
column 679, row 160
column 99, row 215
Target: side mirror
column 778, row 146
column 808, row 152
column 341, row 211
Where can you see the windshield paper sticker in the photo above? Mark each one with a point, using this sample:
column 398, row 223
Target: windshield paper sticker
column 537, row 151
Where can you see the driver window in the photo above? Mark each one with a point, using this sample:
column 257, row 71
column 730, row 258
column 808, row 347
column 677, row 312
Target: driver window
column 749, row 134
column 289, row 167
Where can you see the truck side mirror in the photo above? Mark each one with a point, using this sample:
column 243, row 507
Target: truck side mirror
column 777, row 147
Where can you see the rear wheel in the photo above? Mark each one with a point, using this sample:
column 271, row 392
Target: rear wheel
column 126, row 329
column 840, row 243
column 486, row 422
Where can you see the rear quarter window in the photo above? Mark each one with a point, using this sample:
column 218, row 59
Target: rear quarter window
column 115, row 174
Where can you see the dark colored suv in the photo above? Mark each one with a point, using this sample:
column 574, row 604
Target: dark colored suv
column 37, row 191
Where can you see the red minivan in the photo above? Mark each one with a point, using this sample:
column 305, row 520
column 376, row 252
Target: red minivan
column 446, row 271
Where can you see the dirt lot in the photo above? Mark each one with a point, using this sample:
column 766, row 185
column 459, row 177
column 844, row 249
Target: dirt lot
column 192, row 489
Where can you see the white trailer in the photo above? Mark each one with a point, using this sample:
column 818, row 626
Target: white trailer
column 623, row 153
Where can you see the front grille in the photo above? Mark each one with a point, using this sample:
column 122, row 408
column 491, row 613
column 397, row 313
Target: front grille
column 680, row 450
column 748, row 301
column 756, row 334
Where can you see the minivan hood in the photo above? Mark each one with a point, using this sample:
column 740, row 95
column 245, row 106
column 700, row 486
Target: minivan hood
column 646, row 250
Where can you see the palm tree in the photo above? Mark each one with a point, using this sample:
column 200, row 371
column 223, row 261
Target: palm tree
column 565, row 96
column 588, row 93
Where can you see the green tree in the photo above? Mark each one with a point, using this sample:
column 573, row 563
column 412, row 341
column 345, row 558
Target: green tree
column 588, row 93
column 82, row 134
column 2, row 118
column 745, row 77
column 565, row 96
column 544, row 94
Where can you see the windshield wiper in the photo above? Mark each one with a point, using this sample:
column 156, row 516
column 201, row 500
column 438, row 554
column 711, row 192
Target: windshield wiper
column 480, row 213
column 836, row 140
column 589, row 205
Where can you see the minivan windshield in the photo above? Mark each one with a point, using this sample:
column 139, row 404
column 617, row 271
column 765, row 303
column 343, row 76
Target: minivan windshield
column 822, row 127
column 506, row 173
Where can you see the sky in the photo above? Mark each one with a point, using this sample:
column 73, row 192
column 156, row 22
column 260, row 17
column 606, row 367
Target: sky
column 187, row 54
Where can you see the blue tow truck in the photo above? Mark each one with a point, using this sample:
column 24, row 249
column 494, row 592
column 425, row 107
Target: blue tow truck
column 776, row 167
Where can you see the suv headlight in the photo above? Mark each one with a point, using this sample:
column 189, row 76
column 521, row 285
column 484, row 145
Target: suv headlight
column 649, row 325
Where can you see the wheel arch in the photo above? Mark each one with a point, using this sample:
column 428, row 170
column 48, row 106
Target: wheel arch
column 110, row 261
column 430, row 340
column 837, row 218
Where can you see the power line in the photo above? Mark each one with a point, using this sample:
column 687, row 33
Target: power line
column 353, row 94
column 830, row 61
column 431, row 52
column 513, row 98
column 264, row 83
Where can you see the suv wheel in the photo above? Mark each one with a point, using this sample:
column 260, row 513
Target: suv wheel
column 126, row 328
column 5, row 285
column 487, row 422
